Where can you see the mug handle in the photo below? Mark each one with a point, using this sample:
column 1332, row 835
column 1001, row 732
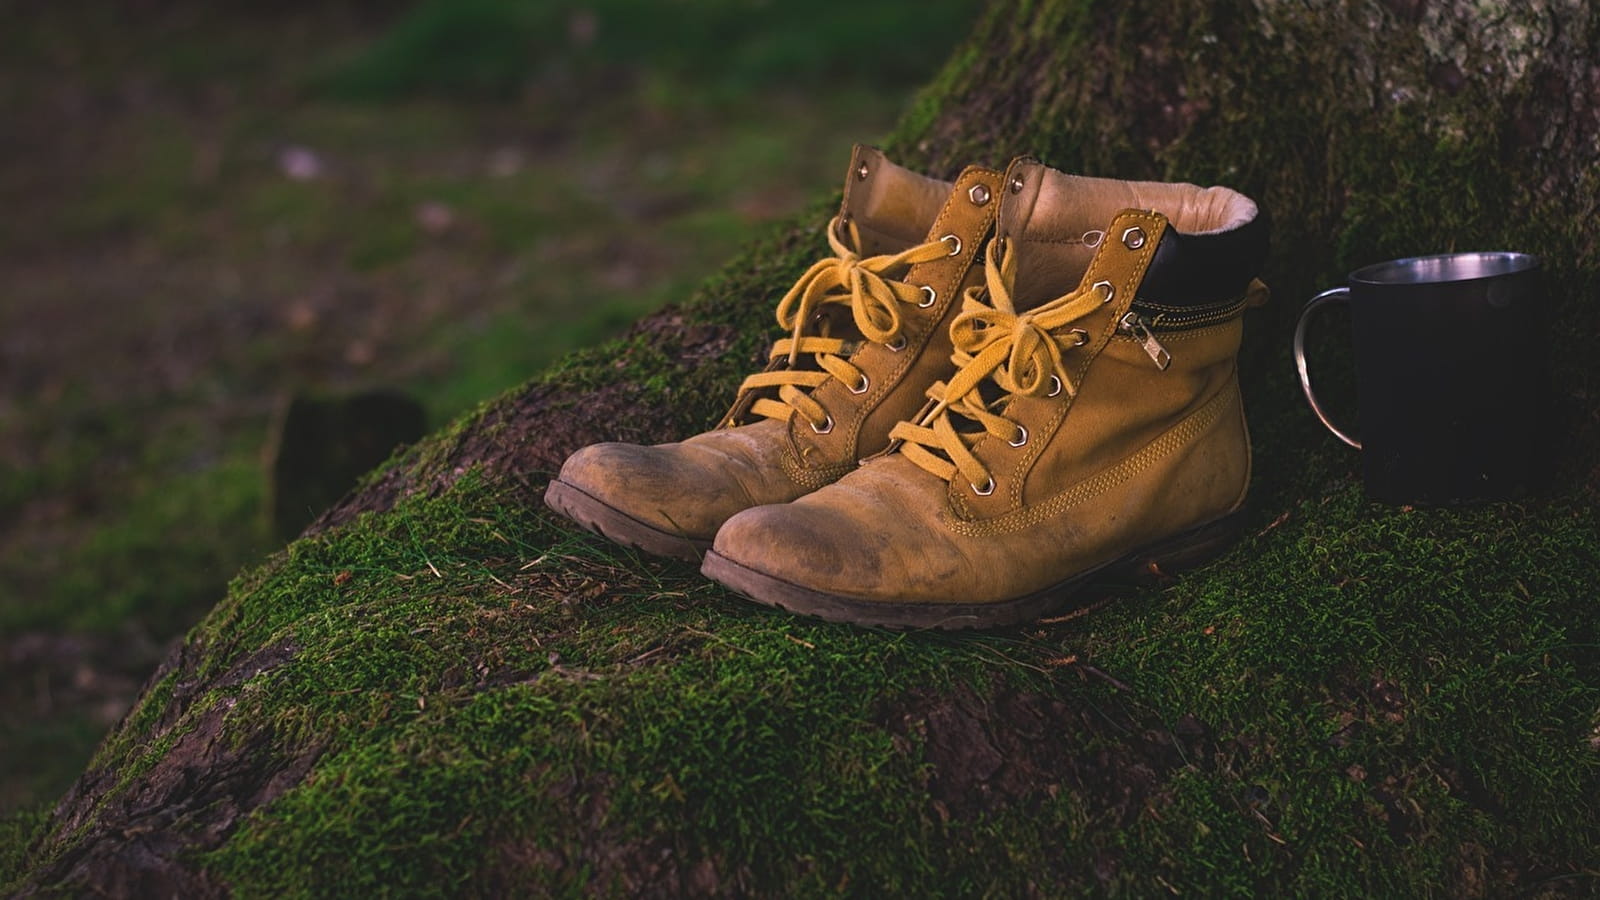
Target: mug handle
column 1336, row 295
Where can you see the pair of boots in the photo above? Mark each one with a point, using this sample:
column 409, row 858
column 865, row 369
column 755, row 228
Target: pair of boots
column 991, row 393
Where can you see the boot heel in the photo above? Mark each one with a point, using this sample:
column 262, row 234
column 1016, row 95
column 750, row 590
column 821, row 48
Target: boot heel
column 1186, row 550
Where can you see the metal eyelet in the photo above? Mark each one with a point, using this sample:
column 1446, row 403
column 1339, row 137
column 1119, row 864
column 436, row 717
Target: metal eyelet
column 986, row 490
column 929, row 297
column 1133, row 238
column 1016, row 184
column 1083, row 336
column 898, row 344
column 1110, row 291
column 979, row 195
column 861, row 172
column 1055, row 386
column 954, row 242
column 1021, row 440
column 827, row 426
column 861, row 386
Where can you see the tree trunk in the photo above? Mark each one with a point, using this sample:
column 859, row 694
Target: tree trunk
column 455, row 693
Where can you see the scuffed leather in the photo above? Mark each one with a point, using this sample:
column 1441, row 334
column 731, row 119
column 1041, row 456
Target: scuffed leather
column 691, row 487
column 1138, row 455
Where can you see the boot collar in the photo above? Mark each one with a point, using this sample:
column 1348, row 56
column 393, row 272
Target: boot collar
column 1196, row 269
column 1216, row 242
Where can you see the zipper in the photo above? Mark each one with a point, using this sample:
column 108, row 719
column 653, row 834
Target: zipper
column 1138, row 327
column 1177, row 318
column 1143, row 320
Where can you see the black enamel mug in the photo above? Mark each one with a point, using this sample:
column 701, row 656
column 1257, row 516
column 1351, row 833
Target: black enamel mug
column 1451, row 378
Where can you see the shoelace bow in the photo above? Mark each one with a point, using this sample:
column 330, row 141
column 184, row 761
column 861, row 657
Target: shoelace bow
column 1021, row 352
column 873, row 295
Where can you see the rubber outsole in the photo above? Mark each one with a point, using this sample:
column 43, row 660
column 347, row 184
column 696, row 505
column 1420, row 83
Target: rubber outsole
column 613, row 524
column 1162, row 558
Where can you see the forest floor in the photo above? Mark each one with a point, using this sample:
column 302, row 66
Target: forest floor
column 210, row 211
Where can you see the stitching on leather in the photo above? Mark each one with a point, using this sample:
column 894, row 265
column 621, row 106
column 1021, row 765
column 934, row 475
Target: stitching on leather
column 1168, row 442
column 1219, row 305
column 1142, row 258
column 1064, row 242
column 813, row 477
column 1168, row 337
column 1244, row 430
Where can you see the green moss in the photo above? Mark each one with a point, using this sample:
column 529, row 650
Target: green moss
column 483, row 716
column 1458, row 692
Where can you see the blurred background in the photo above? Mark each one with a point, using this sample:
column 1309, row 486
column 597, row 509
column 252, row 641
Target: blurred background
column 242, row 245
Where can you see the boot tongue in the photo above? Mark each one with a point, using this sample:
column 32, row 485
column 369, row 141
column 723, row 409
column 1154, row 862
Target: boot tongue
column 1055, row 222
column 892, row 207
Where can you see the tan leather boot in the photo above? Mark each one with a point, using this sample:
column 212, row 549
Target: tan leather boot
column 1094, row 423
column 868, row 334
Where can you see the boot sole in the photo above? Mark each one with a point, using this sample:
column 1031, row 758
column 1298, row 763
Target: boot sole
column 1165, row 557
column 615, row 525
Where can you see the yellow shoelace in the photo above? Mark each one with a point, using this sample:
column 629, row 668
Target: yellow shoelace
column 868, row 286
column 1022, row 352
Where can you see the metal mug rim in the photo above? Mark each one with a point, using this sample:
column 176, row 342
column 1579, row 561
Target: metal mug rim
column 1500, row 263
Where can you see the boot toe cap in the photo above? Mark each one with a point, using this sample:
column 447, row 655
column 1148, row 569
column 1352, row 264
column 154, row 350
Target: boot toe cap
column 853, row 541
column 800, row 544
column 673, row 488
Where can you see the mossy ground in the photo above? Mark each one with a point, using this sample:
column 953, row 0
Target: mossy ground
column 1356, row 700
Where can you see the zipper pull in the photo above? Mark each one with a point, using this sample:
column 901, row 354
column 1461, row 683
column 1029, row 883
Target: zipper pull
column 1133, row 325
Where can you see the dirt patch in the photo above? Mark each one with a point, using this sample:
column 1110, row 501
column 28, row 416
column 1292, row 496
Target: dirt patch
column 651, row 868
column 985, row 752
column 1007, row 748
